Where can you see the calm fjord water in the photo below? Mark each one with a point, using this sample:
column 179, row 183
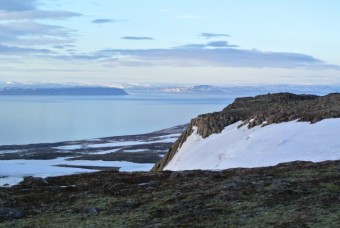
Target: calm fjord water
column 39, row 119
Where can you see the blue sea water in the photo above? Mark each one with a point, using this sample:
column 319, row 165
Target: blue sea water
column 39, row 119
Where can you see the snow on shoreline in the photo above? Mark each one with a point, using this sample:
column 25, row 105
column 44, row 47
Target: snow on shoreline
column 162, row 139
column 13, row 171
column 260, row 146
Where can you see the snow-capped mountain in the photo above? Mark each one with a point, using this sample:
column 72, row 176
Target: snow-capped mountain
column 194, row 89
column 260, row 131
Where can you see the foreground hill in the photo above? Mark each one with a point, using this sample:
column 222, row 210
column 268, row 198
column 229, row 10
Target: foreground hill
column 260, row 131
column 298, row 194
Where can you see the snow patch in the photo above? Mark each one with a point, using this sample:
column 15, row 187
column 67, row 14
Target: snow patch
column 9, row 151
column 260, row 146
column 13, row 171
column 69, row 147
column 135, row 151
column 108, row 151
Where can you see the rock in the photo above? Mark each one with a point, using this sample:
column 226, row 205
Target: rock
column 176, row 175
column 10, row 213
column 33, row 181
column 91, row 211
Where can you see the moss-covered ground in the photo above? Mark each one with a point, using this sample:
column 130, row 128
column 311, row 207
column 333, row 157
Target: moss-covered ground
column 298, row 194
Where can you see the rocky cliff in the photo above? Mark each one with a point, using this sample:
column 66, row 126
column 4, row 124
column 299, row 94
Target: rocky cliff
column 260, row 110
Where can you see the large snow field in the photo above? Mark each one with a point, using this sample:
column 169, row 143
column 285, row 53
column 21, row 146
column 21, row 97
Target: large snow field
column 260, row 146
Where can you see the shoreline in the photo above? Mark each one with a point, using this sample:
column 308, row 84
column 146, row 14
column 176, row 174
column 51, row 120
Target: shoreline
column 123, row 153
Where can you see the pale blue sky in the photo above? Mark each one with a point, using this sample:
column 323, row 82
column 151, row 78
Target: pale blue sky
column 177, row 41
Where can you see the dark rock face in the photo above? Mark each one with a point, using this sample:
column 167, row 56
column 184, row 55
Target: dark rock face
column 260, row 110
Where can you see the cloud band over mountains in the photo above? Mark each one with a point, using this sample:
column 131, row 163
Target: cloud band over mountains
column 224, row 56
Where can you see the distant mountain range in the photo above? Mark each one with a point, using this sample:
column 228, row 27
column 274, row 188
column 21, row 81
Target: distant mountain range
column 17, row 88
column 239, row 90
column 195, row 89
column 235, row 90
column 63, row 91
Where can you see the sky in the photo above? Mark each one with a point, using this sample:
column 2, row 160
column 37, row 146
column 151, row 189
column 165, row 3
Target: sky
column 220, row 42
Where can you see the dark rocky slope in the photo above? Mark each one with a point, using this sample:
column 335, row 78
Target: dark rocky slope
column 298, row 194
column 262, row 110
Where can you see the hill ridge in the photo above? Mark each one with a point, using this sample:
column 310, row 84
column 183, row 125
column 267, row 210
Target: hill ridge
column 259, row 110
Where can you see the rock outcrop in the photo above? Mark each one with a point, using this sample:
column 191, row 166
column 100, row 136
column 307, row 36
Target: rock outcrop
column 260, row 110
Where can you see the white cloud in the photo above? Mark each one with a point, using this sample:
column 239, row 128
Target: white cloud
column 33, row 33
column 36, row 14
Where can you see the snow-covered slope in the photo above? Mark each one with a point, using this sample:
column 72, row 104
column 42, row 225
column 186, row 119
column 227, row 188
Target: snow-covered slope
column 259, row 146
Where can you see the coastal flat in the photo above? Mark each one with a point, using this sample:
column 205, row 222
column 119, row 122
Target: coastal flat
column 290, row 194
column 124, row 153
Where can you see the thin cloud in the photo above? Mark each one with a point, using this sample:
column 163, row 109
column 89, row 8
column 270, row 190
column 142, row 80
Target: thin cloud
column 212, row 35
column 17, row 5
column 36, row 14
column 27, row 9
column 11, row 50
column 216, row 57
column 33, row 33
column 32, row 28
column 23, row 30
column 220, row 44
column 58, row 46
column 214, row 44
column 104, row 20
column 137, row 38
